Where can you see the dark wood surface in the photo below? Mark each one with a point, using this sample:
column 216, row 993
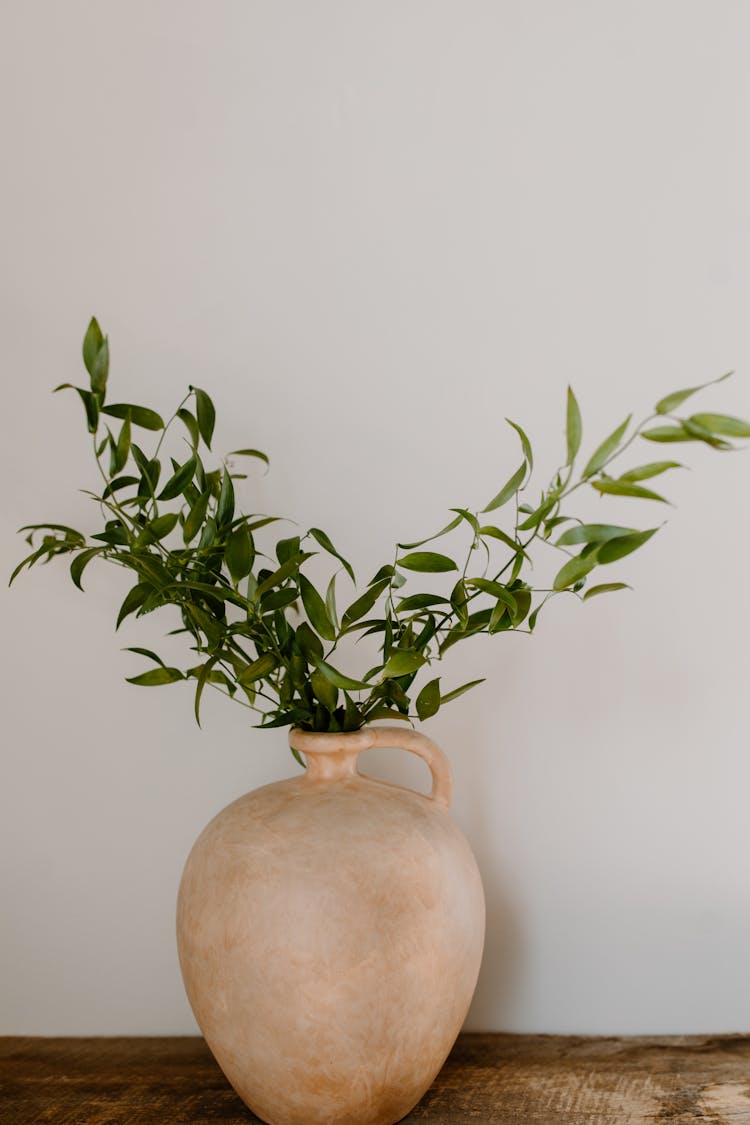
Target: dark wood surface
column 508, row 1079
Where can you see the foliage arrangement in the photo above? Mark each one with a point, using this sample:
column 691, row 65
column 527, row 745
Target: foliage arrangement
column 264, row 634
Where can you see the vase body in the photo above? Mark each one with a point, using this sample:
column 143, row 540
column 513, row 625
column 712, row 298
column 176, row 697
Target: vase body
column 330, row 930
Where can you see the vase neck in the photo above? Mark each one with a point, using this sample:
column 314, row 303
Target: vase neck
column 329, row 756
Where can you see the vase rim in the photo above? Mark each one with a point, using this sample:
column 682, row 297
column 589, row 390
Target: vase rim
column 330, row 742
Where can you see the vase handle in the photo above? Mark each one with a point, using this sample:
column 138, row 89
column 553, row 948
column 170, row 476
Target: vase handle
column 424, row 747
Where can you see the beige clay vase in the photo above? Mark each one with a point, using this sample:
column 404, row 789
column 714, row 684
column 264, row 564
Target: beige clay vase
column 330, row 929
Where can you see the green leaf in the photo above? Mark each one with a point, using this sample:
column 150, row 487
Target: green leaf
column 190, row 424
column 670, row 402
column 151, row 476
column 523, row 605
column 116, row 485
column 364, row 603
column 722, row 424
column 179, row 480
column 352, row 715
column 427, row 562
column 459, row 598
column 573, row 426
column 606, row 449
column 331, row 602
column 402, row 662
column 225, row 508
column 239, row 553
column 382, row 712
column 114, row 468
column 212, row 593
column 204, row 677
column 196, row 516
column 80, row 562
column 134, row 600
column 152, row 568
column 625, row 488
column 287, row 548
column 421, row 542
column 469, row 518
column 122, row 449
column 538, row 514
column 535, row 614
column 191, row 491
column 252, row 586
column 158, row 529
column 525, row 443
column 321, row 537
column 286, row 570
column 262, row 522
column 139, row 415
column 652, row 469
column 115, row 535
column 460, row 690
column 100, row 370
column 147, row 653
column 427, row 631
column 298, row 665
column 700, row 433
column 592, row 533
column 259, row 669
column 324, row 690
column 428, row 700
column 316, row 611
column 386, row 571
column 206, row 413
column 217, row 677
column 70, row 532
column 249, row 453
column 278, row 599
column 90, row 404
column 500, row 618
column 509, row 489
column 605, row 588
column 574, row 570
column 339, row 680
column 156, row 676
column 92, row 342
column 150, row 470
column 517, row 567
column 668, row 433
column 624, row 545
column 294, row 716
column 497, row 533
column 496, row 589
column 420, row 601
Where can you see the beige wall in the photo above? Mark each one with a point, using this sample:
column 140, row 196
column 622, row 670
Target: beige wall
column 372, row 230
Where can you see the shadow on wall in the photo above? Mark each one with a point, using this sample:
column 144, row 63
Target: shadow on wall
column 496, row 998
column 499, row 979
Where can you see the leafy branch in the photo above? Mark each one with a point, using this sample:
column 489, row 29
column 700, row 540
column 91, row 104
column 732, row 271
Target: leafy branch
column 264, row 634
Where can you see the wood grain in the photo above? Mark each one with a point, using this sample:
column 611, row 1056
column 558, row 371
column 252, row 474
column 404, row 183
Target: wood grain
column 513, row 1079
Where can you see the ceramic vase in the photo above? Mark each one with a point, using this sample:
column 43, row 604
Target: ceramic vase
column 330, row 930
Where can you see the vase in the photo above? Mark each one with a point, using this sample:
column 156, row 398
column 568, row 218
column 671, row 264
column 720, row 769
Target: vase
column 330, row 930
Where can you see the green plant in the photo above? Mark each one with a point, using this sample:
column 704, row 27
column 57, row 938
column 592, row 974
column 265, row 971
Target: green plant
column 263, row 633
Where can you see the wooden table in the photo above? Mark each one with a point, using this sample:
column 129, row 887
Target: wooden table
column 508, row 1079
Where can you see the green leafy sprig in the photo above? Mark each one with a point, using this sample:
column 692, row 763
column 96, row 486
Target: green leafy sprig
column 264, row 634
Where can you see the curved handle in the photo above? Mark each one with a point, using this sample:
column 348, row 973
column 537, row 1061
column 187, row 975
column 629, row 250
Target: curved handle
column 424, row 747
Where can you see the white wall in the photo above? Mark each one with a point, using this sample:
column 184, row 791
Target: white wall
column 372, row 230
